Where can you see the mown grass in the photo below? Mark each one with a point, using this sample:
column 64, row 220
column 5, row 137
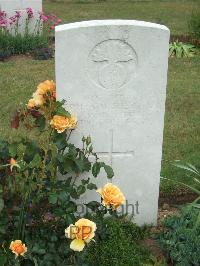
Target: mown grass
column 20, row 76
column 172, row 13
column 182, row 124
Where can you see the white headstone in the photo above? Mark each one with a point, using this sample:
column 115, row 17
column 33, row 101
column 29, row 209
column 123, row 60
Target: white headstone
column 11, row 6
column 113, row 74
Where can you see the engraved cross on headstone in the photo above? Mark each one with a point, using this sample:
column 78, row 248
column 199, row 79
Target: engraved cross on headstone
column 112, row 153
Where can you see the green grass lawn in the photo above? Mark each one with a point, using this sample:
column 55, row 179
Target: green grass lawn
column 172, row 13
column 20, row 76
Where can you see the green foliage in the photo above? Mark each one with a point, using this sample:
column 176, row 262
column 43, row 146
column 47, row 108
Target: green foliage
column 117, row 243
column 193, row 174
column 48, row 245
column 181, row 238
column 194, row 24
column 97, row 167
column 19, row 44
column 179, row 49
column 4, row 54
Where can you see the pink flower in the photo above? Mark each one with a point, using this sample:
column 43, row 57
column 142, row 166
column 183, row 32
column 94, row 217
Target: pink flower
column 2, row 24
column 29, row 12
column 59, row 21
column 52, row 16
column 18, row 14
column 43, row 17
column 2, row 14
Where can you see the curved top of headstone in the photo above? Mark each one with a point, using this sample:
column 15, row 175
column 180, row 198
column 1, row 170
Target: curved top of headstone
column 110, row 22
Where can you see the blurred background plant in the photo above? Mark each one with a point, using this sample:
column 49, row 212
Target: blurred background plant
column 179, row 49
column 180, row 238
column 13, row 40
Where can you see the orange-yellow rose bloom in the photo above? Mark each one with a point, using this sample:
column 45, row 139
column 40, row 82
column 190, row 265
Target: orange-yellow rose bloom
column 72, row 122
column 13, row 163
column 18, row 248
column 38, row 99
column 61, row 123
column 83, row 231
column 46, row 86
column 111, row 196
column 31, row 104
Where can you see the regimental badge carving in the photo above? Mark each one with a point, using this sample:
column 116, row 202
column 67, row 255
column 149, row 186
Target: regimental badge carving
column 111, row 63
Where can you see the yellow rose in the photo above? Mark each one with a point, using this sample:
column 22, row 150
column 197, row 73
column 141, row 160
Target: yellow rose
column 18, row 248
column 61, row 123
column 111, row 196
column 39, row 96
column 46, row 86
column 38, row 99
column 31, row 104
column 86, row 229
column 83, row 231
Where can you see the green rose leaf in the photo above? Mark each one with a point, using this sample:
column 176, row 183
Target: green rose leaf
column 53, row 198
column 3, row 259
column 4, row 151
column 67, row 165
column 81, row 190
column 83, row 164
column 91, row 186
column 63, row 196
column 61, row 111
column 1, row 204
column 13, row 149
column 41, row 123
column 96, row 169
column 31, row 150
column 36, row 162
column 60, row 140
column 74, row 194
column 72, row 152
column 85, row 182
column 93, row 205
column 109, row 171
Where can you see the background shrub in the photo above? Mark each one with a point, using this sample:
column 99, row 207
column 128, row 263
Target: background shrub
column 117, row 244
column 181, row 238
column 20, row 44
column 12, row 41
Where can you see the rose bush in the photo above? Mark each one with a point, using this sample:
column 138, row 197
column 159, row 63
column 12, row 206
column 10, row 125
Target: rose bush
column 36, row 207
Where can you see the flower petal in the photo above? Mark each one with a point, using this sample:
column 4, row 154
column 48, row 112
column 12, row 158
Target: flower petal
column 70, row 231
column 77, row 245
